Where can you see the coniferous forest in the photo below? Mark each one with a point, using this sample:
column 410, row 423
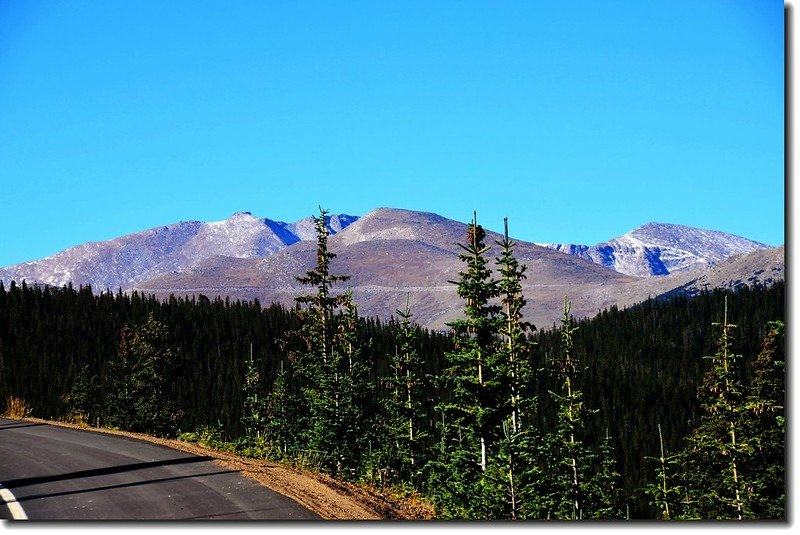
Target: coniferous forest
column 671, row 409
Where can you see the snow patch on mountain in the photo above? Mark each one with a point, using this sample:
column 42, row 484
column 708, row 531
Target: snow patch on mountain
column 304, row 228
column 658, row 249
column 125, row 261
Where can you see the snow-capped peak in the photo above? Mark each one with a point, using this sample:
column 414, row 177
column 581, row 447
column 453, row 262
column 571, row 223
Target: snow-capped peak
column 656, row 249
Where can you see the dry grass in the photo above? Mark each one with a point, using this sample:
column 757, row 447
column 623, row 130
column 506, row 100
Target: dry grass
column 16, row 408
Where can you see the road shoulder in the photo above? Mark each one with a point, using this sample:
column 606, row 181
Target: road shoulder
column 321, row 494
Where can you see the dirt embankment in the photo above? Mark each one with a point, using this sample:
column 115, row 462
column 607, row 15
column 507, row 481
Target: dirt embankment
column 329, row 498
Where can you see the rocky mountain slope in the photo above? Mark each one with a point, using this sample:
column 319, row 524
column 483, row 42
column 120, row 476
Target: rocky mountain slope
column 760, row 268
column 658, row 249
column 128, row 260
column 391, row 254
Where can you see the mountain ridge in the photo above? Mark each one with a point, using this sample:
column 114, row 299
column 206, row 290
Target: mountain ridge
column 659, row 249
column 127, row 260
column 392, row 254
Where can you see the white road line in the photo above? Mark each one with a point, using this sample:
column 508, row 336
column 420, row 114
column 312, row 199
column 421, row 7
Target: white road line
column 13, row 505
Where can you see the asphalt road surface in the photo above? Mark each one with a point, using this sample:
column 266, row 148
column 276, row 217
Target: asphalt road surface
column 56, row 473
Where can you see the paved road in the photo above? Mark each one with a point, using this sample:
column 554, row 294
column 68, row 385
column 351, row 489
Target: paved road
column 57, row 473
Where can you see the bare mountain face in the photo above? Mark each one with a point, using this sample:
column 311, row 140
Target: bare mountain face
column 392, row 255
column 760, row 268
column 658, row 249
column 126, row 261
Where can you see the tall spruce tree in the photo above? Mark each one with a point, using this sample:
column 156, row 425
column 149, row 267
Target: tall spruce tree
column 514, row 351
column 315, row 364
column 321, row 305
column 574, row 482
column 515, row 451
column 332, row 377
column 563, row 453
column 473, row 414
column 715, row 450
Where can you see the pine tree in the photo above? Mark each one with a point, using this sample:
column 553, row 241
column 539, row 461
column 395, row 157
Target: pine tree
column 321, row 305
column 575, row 482
column 664, row 493
column 254, row 410
column 562, row 449
column 330, row 373
column 316, row 365
column 765, row 425
column 144, row 375
column 515, row 347
column 515, row 454
column 82, row 401
column 473, row 414
column 355, row 393
column 285, row 420
column 603, row 495
column 715, row 449
column 403, row 438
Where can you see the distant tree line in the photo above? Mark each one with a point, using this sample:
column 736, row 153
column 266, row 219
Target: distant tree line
column 670, row 409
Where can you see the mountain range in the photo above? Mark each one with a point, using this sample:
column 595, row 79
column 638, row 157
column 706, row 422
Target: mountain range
column 394, row 254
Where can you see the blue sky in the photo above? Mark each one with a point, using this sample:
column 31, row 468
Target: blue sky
column 577, row 120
